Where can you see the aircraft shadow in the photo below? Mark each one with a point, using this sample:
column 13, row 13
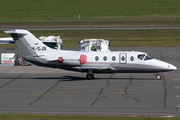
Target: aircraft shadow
column 73, row 78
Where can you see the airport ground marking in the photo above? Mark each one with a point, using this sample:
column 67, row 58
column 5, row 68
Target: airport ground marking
column 174, row 60
column 130, row 106
column 67, row 92
column 172, row 49
column 122, row 92
column 69, row 88
column 15, row 88
column 172, row 52
column 37, row 94
column 97, row 95
column 176, row 79
column 41, row 86
column 76, row 106
column 60, row 87
column 31, row 95
column 177, row 87
column 90, row 86
column 21, row 106
column 5, row 94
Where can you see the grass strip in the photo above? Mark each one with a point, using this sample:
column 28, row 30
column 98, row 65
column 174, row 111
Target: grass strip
column 117, row 38
column 78, row 117
column 89, row 13
column 94, row 10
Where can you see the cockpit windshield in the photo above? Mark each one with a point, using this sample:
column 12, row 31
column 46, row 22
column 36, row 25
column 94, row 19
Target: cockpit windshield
column 141, row 56
column 148, row 57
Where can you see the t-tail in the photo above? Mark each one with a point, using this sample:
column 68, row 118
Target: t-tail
column 32, row 49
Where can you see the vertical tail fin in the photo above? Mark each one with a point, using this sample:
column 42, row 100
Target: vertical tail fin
column 28, row 44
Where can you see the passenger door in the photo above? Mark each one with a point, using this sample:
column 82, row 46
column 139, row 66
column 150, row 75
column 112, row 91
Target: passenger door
column 122, row 58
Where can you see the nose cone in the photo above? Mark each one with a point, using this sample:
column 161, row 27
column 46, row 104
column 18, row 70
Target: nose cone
column 164, row 66
column 172, row 67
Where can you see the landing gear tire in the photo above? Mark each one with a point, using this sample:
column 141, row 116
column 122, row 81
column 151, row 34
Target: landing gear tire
column 90, row 76
column 158, row 77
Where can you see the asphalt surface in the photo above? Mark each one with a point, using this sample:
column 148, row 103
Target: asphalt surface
column 88, row 28
column 37, row 90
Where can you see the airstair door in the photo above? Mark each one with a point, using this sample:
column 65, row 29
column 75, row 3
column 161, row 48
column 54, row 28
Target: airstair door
column 123, row 58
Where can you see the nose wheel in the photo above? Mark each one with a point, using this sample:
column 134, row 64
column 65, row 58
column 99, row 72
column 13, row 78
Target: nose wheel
column 158, row 77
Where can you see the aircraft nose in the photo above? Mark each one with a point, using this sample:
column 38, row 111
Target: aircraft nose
column 172, row 67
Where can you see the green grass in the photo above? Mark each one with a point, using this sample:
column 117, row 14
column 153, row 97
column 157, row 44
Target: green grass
column 117, row 38
column 78, row 117
column 90, row 10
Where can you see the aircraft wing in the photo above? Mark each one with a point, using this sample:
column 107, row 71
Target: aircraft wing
column 90, row 68
column 95, row 68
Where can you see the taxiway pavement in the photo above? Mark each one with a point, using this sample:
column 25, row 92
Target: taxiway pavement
column 37, row 90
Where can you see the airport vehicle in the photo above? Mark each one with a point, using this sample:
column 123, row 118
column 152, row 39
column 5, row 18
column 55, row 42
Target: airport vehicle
column 6, row 40
column 54, row 42
column 94, row 45
column 90, row 62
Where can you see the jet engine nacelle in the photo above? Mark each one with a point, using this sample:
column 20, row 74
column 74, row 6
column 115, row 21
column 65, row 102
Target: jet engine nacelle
column 73, row 60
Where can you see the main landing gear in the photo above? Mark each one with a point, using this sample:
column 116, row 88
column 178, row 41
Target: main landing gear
column 158, row 77
column 90, row 75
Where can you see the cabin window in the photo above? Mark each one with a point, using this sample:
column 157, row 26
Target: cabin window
column 104, row 58
column 141, row 56
column 132, row 58
column 148, row 57
column 96, row 58
column 113, row 58
column 122, row 58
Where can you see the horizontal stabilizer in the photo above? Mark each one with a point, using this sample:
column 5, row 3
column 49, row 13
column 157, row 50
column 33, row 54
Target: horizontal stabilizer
column 16, row 31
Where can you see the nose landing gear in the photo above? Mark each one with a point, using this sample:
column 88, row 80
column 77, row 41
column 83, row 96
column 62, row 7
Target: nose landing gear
column 158, row 77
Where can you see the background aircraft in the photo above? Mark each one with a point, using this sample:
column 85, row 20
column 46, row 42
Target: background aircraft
column 6, row 40
column 90, row 62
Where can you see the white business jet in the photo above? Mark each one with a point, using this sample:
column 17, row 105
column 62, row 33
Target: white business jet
column 91, row 62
